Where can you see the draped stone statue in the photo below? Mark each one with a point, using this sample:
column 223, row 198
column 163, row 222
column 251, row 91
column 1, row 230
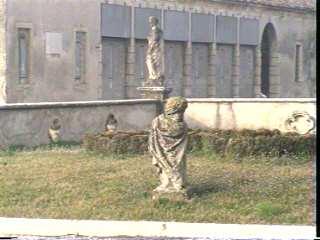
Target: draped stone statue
column 167, row 145
column 154, row 56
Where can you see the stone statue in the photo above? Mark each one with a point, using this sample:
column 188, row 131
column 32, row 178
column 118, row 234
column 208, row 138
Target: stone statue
column 167, row 145
column 3, row 93
column 154, row 56
column 111, row 123
column 261, row 95
column 54, row 131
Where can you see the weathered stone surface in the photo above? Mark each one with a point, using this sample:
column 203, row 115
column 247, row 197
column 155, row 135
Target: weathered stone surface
column 159, row 93
column 181, row 196
column 111, row 123
column 154, row 86
column 293, row 4
column 168, row 144
column 154, row 55
column 2, row 53
column 28, row 124
column 54, row 131
column 245, row 113
column 292, row 20
column 301, row 122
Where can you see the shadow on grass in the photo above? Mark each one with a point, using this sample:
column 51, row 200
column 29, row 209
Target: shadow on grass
column 206, row 188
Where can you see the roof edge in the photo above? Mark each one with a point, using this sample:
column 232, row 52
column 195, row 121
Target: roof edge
column 270, row 6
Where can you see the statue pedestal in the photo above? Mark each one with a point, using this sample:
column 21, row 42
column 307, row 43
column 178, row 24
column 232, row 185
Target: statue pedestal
column 181, row 196
column 159, row 93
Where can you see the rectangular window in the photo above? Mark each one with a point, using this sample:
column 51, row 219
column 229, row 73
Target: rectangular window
column 24, row 54
column 80, row 56
column 298, row 64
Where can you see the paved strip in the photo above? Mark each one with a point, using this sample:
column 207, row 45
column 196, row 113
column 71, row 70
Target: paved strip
column 97, row 228
column 114, row 238
column 103, row 238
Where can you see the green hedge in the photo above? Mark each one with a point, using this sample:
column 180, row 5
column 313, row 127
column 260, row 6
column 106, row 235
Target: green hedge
column 241, row 143
column 117, row 143
column 252, row 143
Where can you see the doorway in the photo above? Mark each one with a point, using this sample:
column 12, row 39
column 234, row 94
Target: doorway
column 269, row 61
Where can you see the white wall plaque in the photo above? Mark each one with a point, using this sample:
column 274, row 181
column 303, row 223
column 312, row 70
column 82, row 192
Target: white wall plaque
column 53, row 43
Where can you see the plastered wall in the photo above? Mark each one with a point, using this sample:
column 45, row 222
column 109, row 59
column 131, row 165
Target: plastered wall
column 28, row 124
column 220, row 71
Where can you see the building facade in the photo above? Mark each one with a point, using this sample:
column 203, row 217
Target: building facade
column 79, row 50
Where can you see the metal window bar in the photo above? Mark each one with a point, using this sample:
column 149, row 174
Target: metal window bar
column 80, row 55
column 298, row 62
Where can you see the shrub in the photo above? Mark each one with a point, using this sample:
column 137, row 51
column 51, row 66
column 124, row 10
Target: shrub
column 225, row 142
column 117, row 143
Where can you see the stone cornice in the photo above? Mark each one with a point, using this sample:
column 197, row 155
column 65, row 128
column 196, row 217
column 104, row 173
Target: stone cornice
column 269, row 6
column 46, row 105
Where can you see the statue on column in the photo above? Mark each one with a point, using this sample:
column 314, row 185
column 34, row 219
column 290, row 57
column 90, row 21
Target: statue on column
column 167, row 144
column 154, row 55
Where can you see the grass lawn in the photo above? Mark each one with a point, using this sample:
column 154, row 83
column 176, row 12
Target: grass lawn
column 74, row 184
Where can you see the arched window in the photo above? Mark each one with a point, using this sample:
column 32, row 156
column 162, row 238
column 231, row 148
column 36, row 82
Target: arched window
column 23, row 47
column 270, row 79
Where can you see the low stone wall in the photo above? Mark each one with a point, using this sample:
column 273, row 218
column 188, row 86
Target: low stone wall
column 28, row 124
column 286, row 115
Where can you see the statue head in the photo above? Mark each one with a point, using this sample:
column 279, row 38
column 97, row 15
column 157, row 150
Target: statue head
column 175, row 107
column 55, row 124
column 111, row 123
column 153, row 21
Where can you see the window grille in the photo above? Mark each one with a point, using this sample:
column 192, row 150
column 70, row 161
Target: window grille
column 80, row 56
column 24, row 54
column 298, row 63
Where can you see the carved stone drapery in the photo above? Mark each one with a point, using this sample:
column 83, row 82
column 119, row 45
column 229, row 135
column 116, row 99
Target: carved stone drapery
column 154, row 87
column 167, row 145
column 154, row 53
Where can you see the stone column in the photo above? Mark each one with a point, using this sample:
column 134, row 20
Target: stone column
column 236, row 64
column 257, row 73
column 211, row 90
column 3, row 65
column 129, row 88
column 162, row 44
column 130, row 71
column 187, row 68
column 236, row 71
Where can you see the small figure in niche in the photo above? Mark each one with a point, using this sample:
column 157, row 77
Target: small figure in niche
column 54, row 131
column 111, row 123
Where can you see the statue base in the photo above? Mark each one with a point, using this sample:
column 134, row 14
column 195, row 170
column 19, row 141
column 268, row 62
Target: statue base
column 154, row 92
column 183, row 195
